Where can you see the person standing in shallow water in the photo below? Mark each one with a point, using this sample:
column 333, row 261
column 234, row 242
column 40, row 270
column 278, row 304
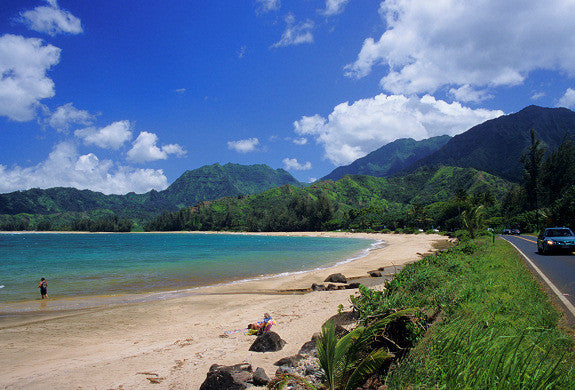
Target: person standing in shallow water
column 43, row 286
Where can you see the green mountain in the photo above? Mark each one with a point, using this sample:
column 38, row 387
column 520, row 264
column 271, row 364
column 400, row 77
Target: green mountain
column 390, row 158
column 217, row 181
column 206, row 183
column 495, row 146
column 332, row 204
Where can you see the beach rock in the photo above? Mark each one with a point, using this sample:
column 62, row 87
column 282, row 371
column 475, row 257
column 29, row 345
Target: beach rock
column 290, row 361
column 353, row 285
column 336, row 278
column 268, row 342
column 310, row 348
column 375, row 274
column 260, row 378
column 332, row 287
column 285, row 370
column 318, row 287
column 228, row 377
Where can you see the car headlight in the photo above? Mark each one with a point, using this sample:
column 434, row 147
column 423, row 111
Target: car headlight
column 550, row 242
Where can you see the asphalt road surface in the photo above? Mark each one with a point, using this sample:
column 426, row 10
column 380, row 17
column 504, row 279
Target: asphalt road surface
column 558, row 268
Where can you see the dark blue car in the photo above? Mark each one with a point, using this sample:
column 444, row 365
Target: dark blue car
column 556, row 239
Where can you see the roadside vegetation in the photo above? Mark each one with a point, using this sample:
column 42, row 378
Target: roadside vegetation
column 470, row 317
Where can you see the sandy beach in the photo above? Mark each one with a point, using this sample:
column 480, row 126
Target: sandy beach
column 177, row 340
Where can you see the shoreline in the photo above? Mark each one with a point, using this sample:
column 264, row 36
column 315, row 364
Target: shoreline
column 55, row 306
column 180, row 338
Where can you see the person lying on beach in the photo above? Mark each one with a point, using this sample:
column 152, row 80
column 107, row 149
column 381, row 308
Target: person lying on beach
column 43, row 286
column 261, row 327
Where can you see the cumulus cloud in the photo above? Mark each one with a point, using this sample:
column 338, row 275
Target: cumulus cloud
column 112, row 136
column 334, row 7
column 568, row 99
column 268, row 5
column 68, row 115
column 65, row 167
column 292, row 163
column 353, row 130
column 295, row 33
column 467, row 93
column 145, row 149
column 244, row 145
column 300, row 141
column 51, row 20
column 23, row 81
column 430, row 44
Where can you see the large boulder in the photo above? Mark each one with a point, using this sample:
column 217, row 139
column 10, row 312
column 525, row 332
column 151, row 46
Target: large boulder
column 260, row 377
column 268, row 342
column 228, row 377
column 336, row 278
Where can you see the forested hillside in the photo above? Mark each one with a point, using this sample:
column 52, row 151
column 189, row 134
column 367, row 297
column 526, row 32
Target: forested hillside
column 497, row 145
column 390, row 158
column 73, row 209
column 352, row 202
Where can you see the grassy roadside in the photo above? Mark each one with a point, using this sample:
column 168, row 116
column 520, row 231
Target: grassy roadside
column 494, row 326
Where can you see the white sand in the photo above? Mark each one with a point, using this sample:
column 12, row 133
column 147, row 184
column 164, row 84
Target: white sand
column 119, row 347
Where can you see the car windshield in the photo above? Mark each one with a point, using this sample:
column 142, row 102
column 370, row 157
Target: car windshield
column 559, row 232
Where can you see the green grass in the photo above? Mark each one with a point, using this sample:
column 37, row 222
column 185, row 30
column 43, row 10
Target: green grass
column 496, row 328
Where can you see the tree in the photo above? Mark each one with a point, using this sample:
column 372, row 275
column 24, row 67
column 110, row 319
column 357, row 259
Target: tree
column 532, row 160
column 473, row 220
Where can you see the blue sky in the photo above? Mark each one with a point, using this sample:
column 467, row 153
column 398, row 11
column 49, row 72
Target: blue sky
column 119, row 96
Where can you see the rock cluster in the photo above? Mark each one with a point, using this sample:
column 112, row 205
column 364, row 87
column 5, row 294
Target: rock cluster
column 304, row 363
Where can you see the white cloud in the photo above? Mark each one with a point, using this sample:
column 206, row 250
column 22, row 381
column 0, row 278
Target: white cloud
column 180, row 91
column 112, row 136
column 334, row 7
column 23, row 81
column 51, row 20
column 537, row 95
column 244, row 145
column 295, row 34
column 268, row 5
column 568, row 99
column 144, row 149
column 292, row 163
column 66, row 168
column 300, row 141
column 467, row 93
column 67, row 115
column 354, row 130
column 430, row 44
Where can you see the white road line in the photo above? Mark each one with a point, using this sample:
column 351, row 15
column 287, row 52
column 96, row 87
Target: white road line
column 560, row 295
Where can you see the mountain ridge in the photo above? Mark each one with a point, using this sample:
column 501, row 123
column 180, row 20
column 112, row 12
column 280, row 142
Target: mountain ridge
column 390, row 158
column 495, row 146
column 219, row 181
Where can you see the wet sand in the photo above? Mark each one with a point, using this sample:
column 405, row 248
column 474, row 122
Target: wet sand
column 175, row 341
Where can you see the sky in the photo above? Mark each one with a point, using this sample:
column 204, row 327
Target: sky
column 121, row 96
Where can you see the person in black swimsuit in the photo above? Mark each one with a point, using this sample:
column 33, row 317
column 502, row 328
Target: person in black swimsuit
column 43, row 286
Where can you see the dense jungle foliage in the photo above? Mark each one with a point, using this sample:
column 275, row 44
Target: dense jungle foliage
column 425, row 199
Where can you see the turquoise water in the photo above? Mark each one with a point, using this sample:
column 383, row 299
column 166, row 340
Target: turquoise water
column 79, row 265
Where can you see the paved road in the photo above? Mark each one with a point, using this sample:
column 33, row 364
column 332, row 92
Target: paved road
column 559, row 268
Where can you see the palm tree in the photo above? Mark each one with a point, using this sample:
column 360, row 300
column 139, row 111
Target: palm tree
column 473, row 221
column 347, row 362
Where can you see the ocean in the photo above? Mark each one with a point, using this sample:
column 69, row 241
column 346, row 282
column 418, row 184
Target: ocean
column 124, row 267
